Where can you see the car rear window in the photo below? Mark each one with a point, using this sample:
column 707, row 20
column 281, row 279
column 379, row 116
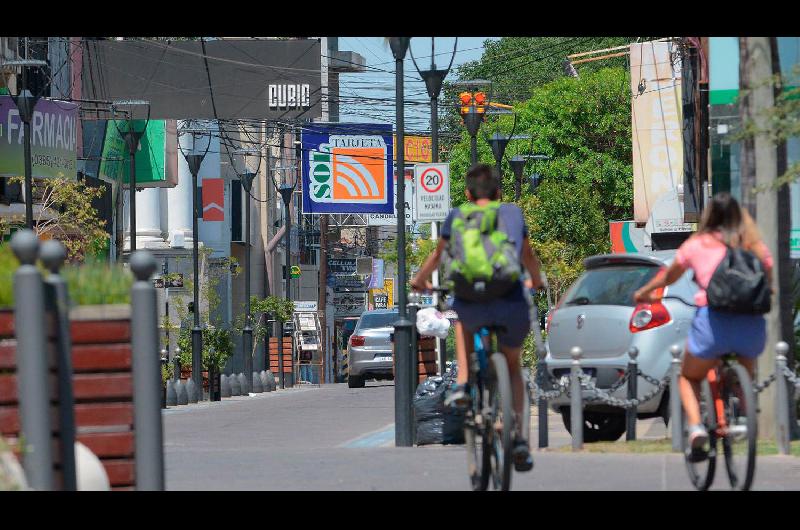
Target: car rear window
column 609, row 285
column 378, row 320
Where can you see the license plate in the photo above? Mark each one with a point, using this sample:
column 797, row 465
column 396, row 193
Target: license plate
column 387, row 359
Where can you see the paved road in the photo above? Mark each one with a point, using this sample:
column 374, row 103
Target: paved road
column 335, row 438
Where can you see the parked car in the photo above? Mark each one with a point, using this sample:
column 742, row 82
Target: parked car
column 598, row 314
column 370, row 350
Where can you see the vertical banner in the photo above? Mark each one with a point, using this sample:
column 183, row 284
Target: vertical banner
column 213, row 200
column 376, row 281
column 347, row 168
column 657, row 135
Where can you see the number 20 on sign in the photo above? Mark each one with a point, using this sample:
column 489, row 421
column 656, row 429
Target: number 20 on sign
column 432, row 193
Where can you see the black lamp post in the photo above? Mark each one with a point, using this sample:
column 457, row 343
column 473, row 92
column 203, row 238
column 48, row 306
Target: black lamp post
column 246, row 167
column 517, row 166
column 404, row 363
column 498, row 142
column 26, row 104
column 194, row 156
column 433, row 82
column 132, row 138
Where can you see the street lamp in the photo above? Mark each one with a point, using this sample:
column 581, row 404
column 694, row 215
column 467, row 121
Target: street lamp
column 26, row 104
column 434, row 79
column 246, row 167
column 498, row 142
column 404, row 363
column 132, row 138
column 286, row 191
column 194, row 155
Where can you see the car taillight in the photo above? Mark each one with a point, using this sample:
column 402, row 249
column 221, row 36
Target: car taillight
column 357, row 340
column 648, row 316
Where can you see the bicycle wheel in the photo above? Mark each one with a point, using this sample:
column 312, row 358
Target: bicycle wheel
column 500, row 421
column 739, row 443
column 701, row 464
column 477, row 442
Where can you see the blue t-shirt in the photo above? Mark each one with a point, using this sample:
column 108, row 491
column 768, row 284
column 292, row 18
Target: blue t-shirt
column 511, row 221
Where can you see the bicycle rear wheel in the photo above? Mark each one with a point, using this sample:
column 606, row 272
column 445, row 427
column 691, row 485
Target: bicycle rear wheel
column 501, row 421
column 739, row 443
column 477, row 438
column 701, row 464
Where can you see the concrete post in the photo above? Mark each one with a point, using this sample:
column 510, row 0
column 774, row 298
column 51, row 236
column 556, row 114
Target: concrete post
column 33, row 386
column 576, row 401
column 675, row 407
column 633, row 380
column 148, row 427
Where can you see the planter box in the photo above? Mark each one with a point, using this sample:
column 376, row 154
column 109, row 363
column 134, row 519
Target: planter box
column 102, row 385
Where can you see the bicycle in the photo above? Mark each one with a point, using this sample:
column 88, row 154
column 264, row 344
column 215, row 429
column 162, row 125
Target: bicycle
column 728, row 411
column 489, row 422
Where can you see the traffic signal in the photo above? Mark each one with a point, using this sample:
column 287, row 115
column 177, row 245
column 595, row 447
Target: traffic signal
column 466, row 101
column 480, row 103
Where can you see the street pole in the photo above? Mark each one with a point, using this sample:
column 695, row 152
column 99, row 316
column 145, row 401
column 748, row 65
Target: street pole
column 473, row 149
column 247, row 331
column 286, row 194
column 197, row 332
column 403, row 390
column 132, row 140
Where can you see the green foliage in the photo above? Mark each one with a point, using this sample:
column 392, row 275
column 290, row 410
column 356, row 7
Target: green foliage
column 583, row 125
column 94, row 282
column 217, row 346
column 8, row 264
column 281, row 308
column 68, row 216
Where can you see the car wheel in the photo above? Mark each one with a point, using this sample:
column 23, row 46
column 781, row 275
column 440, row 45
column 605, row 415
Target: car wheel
column 597, row 427
column 354, row 381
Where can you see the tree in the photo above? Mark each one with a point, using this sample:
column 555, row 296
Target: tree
column 67, row 215
column 583, row 125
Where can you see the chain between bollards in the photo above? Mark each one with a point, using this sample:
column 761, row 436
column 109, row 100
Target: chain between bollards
column 146, row 375
column 633, row 378
column 576, row 403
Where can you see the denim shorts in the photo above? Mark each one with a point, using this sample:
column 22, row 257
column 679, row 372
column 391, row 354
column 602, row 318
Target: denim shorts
column 717, row 333
column 511, row 313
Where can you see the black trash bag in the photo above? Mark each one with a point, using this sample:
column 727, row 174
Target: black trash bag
column 437, row 424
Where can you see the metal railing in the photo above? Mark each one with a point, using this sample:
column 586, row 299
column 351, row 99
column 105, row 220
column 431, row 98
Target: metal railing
column 581, row 389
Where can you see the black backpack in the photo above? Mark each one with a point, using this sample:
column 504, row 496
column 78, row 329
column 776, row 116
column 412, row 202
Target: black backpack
column 739, row 284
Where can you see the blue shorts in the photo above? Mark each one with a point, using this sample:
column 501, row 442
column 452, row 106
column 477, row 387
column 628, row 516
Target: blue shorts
column 511, row 313
column 717, row 333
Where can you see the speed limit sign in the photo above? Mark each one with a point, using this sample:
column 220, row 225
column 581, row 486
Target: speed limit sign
column 432, row 192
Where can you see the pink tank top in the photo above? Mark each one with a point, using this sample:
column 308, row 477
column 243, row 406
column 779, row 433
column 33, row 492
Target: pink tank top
column 703, row 254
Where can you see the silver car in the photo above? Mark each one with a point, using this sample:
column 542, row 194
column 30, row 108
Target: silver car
column 598, row 314
column 369, row 349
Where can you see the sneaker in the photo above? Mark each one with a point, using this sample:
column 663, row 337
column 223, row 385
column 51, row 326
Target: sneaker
column 521, row 454
column 698, row 437
column 458, row 397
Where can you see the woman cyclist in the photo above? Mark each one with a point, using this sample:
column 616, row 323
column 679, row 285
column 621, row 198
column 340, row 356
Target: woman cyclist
column 713, row 333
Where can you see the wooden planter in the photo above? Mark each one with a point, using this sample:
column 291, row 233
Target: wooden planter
column 102, row 386
column 426, row 358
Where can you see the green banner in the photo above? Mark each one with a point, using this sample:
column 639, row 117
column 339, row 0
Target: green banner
column 150, row 157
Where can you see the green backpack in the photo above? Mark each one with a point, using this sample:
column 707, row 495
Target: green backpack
column 483, row 262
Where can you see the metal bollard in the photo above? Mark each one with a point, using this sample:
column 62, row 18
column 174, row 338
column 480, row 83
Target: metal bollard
column 164, row 361
column 675, row 407
column 243, row 384
column 633, row 383
column 191, row 390
column 149, row 438
column 176, row 370
column 782, row 426
column 265, row 384
column 541, row 404
column 53, row 255
column 576, row 401
column 33, row 386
